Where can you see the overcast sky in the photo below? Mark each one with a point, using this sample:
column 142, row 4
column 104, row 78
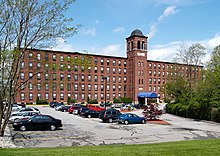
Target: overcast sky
column 167, row 23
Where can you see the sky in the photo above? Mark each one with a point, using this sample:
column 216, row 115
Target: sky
column 167, row 23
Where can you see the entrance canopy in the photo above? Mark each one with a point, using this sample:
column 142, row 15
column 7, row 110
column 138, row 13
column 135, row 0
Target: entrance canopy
column 147, row 95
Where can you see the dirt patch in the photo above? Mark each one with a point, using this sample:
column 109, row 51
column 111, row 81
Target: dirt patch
column 158, row 121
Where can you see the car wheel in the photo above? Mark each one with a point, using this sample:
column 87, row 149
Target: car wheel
column 126, row 122
column 110, row 120
column 143, row 121
column 89, row 116
column 52, row 127
column 22, row 128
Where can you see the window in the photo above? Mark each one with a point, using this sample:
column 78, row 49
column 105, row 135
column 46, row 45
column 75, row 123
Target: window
column 30, row 75
column 46, row 57
column 76, row 87
column 125, row 63
column 102, row 62
column 113, row 87
column 113, row 79
column 68, row 77
column 89, row 78
column 150, row 80
column 108, row 70
column 68, row 86
column 155, row 72
column 61, row 86
column 113, row 70
column 114, row 63
column 68, row 58
column 54, row 87
column 96, row 69
column 46, row 96
column 89, row 96
column 155, row 80
column 38, row 76
column 54, row 76
column 108, row 87
column 68, row 95
column 75, row 67
column 76, row 96
column 54, row 57
column 108, row 62
column 30, row 55
column 38, row 56
column 119, row 87
column 46, row 86
column 83, row 78
column 30, row 85
column 119, row 62
column 102, row 96
column 76, row 77
column 30, row 96
column 96, row 61
column 150, row 65
column 119, row 70
column 102, row 87
column 83, row 97
column 46, row 76
column 22, row 96
column 22, row 76
column 96, row 78
column 82, row 87
column 61, row 77
column 150, row 73
column 119, row 79
column 22, row 65
column 38, row 65
column 125, row 71
column 39, row 95
column 125, row 79
column 96, row 96
column 102, row 69
column 61, row 96
column 68, row 67
column 89, row 87
column 89, row 69
column 46, row 66
column 30, row 65
column 61, row 58
column 54, row 96
column 96, row 87
column 38, row 86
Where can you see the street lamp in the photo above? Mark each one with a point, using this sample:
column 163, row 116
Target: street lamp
column 105, row 79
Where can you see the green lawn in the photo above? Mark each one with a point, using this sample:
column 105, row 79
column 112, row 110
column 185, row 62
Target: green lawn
column 185, row 148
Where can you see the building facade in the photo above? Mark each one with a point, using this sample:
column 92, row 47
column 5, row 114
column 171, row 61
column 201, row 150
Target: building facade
column 56, row 75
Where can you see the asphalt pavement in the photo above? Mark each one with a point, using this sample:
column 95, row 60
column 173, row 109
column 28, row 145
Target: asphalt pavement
column 78, row 131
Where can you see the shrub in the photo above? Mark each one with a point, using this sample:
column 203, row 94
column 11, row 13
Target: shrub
column 215, row 114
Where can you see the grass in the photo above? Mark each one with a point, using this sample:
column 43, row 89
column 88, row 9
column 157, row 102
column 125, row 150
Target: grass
column 181, row 148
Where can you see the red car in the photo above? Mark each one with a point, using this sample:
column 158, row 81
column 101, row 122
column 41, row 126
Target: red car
column 74, row 107
column 95, row 107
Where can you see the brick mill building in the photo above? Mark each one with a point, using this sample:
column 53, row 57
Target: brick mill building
column 57, row 75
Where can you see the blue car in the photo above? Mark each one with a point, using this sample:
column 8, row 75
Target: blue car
column 131, row 118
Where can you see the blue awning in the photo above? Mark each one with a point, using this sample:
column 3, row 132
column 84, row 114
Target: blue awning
column 147, row 95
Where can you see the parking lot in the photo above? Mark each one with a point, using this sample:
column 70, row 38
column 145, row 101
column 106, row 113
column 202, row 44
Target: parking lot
column 78, row 131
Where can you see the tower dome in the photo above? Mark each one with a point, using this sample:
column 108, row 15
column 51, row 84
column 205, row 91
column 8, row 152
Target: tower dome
column 137, row 32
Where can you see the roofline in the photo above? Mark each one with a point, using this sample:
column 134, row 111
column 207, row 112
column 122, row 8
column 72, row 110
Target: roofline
column 75, row 52
column 137, row 36
column 173, row 63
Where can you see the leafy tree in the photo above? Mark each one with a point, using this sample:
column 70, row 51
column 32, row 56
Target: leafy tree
column 26, row 24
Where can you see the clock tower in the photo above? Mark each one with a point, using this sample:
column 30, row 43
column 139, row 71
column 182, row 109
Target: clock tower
column 137, row 62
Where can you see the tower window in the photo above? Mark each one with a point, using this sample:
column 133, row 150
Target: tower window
column 139, row 45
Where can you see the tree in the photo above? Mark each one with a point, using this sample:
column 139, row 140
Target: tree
column 191, row 56
column 26, row 24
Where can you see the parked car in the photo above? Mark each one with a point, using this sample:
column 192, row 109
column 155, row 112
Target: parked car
column 58, row 107
column 109, row 115
column 64, row 108
column 38, row 122
column 131, row 118
column 54, row 104
column 74, row 107
column 82, row 111
column 15, row 107
column 91, row 114
column 27, row 109
column 96, row 108
column 22, row 115
column 128, row 107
